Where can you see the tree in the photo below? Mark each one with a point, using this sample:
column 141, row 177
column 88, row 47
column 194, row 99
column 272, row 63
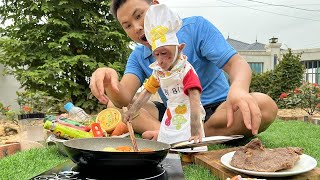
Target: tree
column 287, row 75
column 55, row 45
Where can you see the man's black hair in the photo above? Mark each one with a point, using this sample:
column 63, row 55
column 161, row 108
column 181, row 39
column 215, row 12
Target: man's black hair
column 116, row 4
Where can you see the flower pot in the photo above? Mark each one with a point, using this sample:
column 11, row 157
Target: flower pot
column 31, row 127
column 9, row 149
column 316, row 120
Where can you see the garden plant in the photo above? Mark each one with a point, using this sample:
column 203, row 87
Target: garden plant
column 306, row 97
column 31, row 103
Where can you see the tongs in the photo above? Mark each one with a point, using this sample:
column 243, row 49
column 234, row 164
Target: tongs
column 131, row 132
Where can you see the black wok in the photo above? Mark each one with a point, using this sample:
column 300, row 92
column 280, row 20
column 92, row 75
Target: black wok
column 89, row 151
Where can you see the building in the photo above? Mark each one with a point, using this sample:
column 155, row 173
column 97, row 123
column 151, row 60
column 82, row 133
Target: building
column 264, row 57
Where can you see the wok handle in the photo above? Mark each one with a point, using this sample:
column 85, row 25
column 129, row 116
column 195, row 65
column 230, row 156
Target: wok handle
column 131, row 132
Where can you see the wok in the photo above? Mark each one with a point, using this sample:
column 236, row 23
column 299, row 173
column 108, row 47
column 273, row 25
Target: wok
column 89, row 151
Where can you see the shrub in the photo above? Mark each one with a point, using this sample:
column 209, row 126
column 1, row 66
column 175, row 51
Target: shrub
column 261, row 82
column 32, row 102
column 306, row 97
column 287, row 75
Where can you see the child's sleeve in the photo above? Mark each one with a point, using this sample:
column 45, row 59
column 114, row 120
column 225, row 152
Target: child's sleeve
column 191, row 80
column 152, row 85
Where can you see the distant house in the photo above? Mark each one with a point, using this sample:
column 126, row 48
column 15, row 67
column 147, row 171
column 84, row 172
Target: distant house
column 8, row 87
column 264, row 57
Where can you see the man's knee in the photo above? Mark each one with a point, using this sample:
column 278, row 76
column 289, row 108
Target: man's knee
column 267, row 105
column 268, row 108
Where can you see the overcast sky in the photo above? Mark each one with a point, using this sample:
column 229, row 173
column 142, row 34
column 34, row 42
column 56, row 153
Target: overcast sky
column 295, row 22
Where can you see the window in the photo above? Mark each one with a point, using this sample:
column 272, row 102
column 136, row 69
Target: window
column 312, row 71
column 275, row 60
column 256, row 67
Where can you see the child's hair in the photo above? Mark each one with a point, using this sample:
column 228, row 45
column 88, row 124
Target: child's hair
column 116, row 4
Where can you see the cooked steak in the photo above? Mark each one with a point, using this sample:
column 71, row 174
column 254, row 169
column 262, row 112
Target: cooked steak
column 255, row 157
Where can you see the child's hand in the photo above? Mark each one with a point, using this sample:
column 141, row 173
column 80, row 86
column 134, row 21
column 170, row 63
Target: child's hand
column 197, row 139
column 129, row 115
column 196, row 133
column 126, row 116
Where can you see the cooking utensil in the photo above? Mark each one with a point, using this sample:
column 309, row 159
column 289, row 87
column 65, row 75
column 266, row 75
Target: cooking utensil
column 131, row 132
column 89, row 151
column 205, row 141
column 132, row 137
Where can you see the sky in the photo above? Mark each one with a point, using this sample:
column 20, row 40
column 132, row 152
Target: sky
column 295, row 23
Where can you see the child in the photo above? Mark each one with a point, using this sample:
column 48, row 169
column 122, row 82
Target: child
column 178, row 80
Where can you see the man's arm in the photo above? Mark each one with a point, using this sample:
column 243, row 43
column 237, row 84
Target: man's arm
column 238, row 97
column 128, row 87
column 105, row 86
column 239, row 72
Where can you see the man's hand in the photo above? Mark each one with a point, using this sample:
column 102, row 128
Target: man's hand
column 239, row 99
column 102, row 79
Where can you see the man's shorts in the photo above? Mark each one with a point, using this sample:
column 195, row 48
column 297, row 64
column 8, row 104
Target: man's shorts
column 210, row 109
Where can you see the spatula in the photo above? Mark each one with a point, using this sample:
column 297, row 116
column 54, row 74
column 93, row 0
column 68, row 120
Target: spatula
column 131, row 132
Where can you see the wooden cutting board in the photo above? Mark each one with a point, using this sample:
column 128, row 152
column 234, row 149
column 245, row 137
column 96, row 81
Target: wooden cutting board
column 211, row 160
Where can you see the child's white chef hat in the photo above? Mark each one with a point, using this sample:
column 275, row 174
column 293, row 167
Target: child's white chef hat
column 161, row 26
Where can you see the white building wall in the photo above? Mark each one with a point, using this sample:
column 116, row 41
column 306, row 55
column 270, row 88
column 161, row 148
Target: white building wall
column 8, row 87
column 308, row 54
column 258, row 56
column 267, row 57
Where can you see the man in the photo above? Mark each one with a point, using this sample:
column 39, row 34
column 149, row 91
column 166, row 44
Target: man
column 183, row 119
column 229, row 110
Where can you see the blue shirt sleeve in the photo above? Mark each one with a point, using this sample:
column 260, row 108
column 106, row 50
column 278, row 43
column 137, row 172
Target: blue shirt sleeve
column 133, row 66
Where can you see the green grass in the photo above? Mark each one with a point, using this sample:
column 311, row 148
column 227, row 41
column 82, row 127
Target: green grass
column 27, row 164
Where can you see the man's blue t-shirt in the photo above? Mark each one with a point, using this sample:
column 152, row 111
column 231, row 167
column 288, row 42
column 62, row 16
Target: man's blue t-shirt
column 207, row 51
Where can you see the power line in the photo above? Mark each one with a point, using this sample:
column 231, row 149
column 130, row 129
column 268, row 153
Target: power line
column 281, row 5
column 314, row 43
column 270, row 11
column 208, row 6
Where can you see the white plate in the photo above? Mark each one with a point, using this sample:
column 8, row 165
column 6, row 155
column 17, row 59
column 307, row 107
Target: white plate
column 121, row 136
column 189, row 150
column 305, row 164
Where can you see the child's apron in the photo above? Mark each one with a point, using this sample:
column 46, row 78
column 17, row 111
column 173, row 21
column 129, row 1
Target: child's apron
column 176, row 125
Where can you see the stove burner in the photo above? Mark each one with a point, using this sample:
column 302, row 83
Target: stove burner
column 142, row 173
column 89, row 174
column 170, row 168
column 44, row 177
column 68, row 173
column 61, row 176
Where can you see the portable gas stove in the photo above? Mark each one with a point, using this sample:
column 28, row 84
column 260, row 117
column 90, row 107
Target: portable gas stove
column 169, row 169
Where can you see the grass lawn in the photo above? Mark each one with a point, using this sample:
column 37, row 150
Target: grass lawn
column 24, row 165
